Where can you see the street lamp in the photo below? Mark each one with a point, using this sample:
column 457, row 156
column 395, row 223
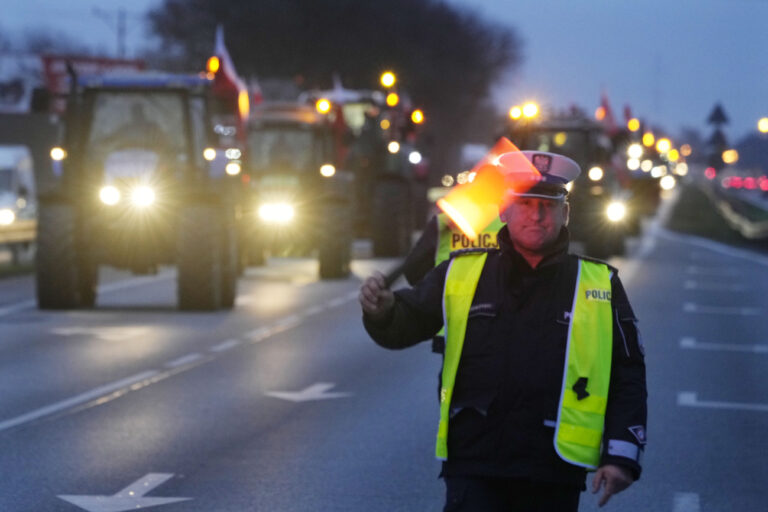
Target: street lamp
column 515, row 112
column 762, row 125
column 730, row 156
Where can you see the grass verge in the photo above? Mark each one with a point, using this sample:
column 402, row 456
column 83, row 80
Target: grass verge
column 694, row 214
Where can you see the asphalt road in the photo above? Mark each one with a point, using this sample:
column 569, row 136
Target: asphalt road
column 284, row 404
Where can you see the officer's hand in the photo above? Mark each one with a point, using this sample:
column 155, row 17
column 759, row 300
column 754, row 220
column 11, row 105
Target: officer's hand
column 375, row 297
column 615, row 479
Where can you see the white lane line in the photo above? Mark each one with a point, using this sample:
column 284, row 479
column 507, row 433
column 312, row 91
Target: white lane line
column 313, row 310
column 686, row 502
column 225, row 345
column 690, row 307
column 712, row 271
column 287, row 322
column 184, row 360
column 690, row 284
column 690, row 399
column 259, row 334
column 76, row 400
column 691, row 343
column 338, row 301
column 114, row 390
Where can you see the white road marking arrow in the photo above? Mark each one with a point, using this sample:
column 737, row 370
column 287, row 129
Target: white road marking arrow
column 130, row 498
column 314, row 392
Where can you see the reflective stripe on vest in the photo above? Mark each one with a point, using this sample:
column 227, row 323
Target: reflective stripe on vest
column 460, row 284
column 587, row 372
column 581, row 414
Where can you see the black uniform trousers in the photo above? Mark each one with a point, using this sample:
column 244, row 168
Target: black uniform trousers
column 487, row 494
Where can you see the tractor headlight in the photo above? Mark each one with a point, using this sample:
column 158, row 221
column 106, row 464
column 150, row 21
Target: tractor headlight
column 595, row 173
column 233, row 168
column 667, row 182
column 277, row 213
column 327, row 170
column 616, row 211
column 7, row 217
column 142, row 196
column 109, row 195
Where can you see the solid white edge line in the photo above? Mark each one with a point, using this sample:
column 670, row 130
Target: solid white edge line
column 75, row 400
column 726, row 250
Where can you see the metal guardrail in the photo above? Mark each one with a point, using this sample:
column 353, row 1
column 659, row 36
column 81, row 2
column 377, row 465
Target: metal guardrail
column 19, row 232
column 733, row 209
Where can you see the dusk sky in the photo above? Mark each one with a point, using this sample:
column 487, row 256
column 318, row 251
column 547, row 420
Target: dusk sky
column 670, row 60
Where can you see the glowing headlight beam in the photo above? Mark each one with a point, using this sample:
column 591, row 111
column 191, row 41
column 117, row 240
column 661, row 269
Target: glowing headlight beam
column 209, row 154
column 616, row 211
column 58, row 154
column 109, row 195
column 233, row 168
column 667, row 182
column 143, row 196
column 278, row 213
column 7, row 217
column 595, row 173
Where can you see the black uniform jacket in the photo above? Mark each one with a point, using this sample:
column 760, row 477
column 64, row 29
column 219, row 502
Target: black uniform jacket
column 510, row 374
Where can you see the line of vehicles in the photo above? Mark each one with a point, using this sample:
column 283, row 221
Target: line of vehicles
column 165, row 169
column 608, row 200
column 159, row 169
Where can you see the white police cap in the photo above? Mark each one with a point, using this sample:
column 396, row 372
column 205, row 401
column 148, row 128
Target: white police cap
column 542, row 174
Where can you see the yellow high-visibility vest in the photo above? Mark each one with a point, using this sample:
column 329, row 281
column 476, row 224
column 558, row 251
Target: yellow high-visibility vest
column 449, row 240
column 587, row 370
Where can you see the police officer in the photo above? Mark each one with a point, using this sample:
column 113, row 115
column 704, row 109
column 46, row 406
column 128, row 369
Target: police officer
column 543, row 376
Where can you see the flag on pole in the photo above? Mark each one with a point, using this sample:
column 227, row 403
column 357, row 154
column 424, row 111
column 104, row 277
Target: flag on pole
column 605, row 115
column 227, row 83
